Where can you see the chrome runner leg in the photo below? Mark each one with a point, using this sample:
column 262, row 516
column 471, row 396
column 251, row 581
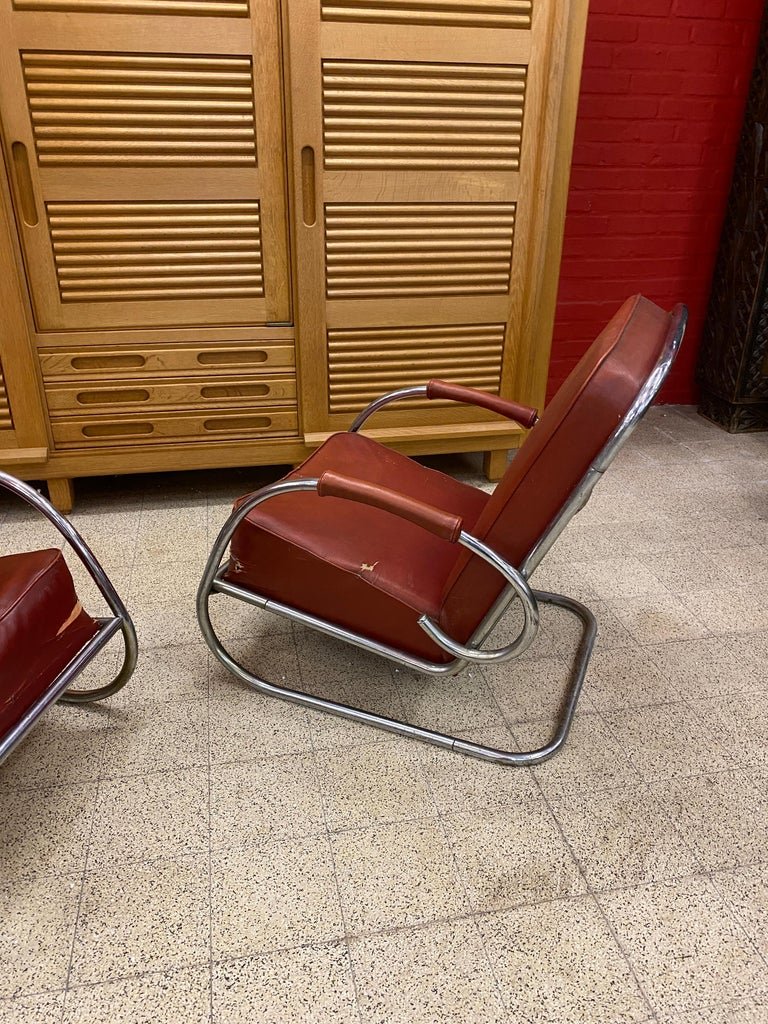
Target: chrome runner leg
column 581, row 662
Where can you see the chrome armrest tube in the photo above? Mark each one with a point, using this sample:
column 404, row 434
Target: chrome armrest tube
column 225, row 535
column 392, row 396
column 518, row 585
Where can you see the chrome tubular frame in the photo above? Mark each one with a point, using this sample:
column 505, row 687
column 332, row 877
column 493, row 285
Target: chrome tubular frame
column 517, row 588
column 121, row 620
column 420, row 391
column 212, row 582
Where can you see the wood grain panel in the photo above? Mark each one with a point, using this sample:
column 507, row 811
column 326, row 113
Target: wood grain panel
column 6, row 420
column 421, row 115
column 105, row 252
column 178, row 359
column 410, row 249
column 165, row 428
column 212, row 8
column 140, row 109
column 465, row 13
column 366, row 362
column 139, row 394
column 142, row 118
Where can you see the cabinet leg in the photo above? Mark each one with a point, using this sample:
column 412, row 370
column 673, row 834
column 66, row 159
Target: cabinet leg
column 495, row 463
column 62, row 494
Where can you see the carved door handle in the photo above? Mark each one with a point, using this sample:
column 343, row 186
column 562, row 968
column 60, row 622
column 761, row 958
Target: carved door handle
column 24, row 187
column 309, row 212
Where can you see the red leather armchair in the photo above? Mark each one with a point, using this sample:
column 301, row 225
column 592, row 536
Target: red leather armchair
column 369, row 546
column 46, row 637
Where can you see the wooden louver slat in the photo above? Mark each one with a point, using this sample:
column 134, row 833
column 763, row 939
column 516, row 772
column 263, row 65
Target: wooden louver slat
column 465, row 13
column 6, row 420
column 163, row 250
column 390, row 250
column 419, row 115
column 141, row 110
column 211, row 8
column 364, row 362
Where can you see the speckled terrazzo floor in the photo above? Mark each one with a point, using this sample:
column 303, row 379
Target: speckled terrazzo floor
column 192, row 852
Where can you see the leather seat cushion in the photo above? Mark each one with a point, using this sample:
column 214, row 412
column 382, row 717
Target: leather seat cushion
column 42, row 628
column 358, row 566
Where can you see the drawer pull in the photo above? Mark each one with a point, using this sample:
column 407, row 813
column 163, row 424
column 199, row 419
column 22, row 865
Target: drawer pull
column 237, row 358
column 234, row 390
column 116, row 362
column 110, row 397
column 116, row 429
column 239, row 423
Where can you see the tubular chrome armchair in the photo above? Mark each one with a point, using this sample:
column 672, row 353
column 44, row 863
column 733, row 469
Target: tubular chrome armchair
column 370, row 547
column 46, row 638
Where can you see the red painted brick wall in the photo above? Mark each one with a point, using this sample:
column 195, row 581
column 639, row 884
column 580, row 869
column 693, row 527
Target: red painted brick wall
column 662, row 101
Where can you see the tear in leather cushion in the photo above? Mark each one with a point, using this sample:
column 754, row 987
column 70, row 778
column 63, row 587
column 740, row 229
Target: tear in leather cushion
column 358, row 566
column 37, row 598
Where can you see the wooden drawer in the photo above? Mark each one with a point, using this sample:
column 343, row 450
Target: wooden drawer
column 245, row 393
column 127, row 362
column 167, row 428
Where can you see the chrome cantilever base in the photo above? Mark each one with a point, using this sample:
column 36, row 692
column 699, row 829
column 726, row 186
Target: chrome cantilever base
column 518, row 589
column 479, row 750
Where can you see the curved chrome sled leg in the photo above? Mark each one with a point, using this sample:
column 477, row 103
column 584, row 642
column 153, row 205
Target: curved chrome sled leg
column 213, row 582
column 531, row 757
column 107, row 626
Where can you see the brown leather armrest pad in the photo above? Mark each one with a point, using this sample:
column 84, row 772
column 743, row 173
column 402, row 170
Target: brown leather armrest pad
column 522, row 414
column 442, row 524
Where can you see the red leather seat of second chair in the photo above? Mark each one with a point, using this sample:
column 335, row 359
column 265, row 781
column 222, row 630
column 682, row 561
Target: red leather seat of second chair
column 42, row 628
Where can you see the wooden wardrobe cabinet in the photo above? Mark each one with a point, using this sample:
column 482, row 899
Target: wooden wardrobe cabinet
column 228, row 224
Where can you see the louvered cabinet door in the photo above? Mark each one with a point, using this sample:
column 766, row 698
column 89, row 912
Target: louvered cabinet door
column 424, row 135
column 144, row 140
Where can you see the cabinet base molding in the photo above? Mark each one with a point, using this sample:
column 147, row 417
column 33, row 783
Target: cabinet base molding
column 11, row 458
column 60, row 468
column 438, row 440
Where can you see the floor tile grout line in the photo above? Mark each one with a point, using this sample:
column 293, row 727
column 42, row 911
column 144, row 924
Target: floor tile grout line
column 676, row 775
column 329, row 841
column 639, row 783
column 176, row 968
column 593, row 897
column 642, row 780
column 734, row 914
column 321, row 943
column 703, row 874
column 703, row 871
column 699, row 872
column 210, row 852
column 99, row 779
column 467, row 899
column 84, row 876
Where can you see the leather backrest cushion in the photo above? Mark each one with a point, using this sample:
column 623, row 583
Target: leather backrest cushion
column 572, row 431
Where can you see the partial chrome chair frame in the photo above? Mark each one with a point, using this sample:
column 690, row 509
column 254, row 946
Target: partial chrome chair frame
column 464, row 655
column 121, row 620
